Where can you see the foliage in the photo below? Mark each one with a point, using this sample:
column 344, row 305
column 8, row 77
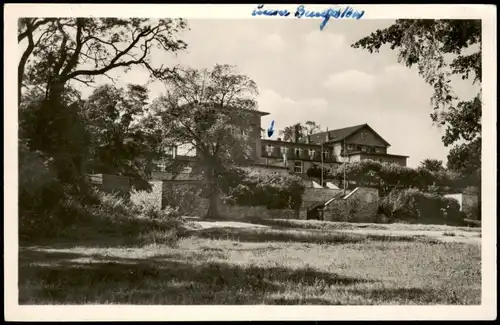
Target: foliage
column 212, row 111
column 472, row 211
column 62, row 49
column 274, row 191
column 185, row 198
column 315, row 171
column 387, row 176
column 425, row 43
column 125, row 139
column 309, row 127
column 465, row 160
column 354, row 209
column 428, row 44
column 432, row 165
column 59, row 53
column 108, row 215
column 420, row 207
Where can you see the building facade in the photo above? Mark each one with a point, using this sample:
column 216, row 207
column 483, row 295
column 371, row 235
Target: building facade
column 330, row 148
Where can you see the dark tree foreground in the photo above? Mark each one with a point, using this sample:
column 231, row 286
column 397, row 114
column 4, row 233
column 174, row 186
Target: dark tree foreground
column 55, row 139
column 442, row 49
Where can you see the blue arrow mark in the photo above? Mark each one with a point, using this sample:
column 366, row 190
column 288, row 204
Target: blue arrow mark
column 270, row 130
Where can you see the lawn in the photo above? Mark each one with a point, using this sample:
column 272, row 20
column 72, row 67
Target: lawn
column 286, row 262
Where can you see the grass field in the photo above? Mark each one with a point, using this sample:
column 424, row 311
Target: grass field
column 280, row 262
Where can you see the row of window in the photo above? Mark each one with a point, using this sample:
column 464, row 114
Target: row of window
column 297, row 151
column 358, row 147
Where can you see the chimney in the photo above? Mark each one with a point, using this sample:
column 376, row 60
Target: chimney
column 327, row 135
column 308, row 139
column 279, row 139
column 296, row 133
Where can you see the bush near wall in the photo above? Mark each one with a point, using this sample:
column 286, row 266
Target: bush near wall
column 415, row 206
column 354, row 209
column 185, row 197
column 472, row 211
column 274, row 191
column 387, row 176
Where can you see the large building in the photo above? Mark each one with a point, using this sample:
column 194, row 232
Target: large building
column 332, row 148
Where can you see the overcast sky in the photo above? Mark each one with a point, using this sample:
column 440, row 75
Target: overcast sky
column 307, row 74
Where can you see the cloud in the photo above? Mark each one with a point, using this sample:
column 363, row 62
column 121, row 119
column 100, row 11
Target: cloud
column 321, row 41
column 319, row 49
column 274, row 43
column 351, row 81
column 286, row 111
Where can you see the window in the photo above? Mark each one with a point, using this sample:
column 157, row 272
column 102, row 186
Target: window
column 325, row 154
column 363, row 135
column 244, row 132
column 161, row 166
column 364, row 149
column 372, row 149
column 350, row 146
column 298, row 152
column 171, row 151
column 269, row 149
column 379, row 150
column 284, row 150
column 312, row 152
column 297, row 167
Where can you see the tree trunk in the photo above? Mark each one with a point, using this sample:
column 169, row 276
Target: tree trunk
column 213, row 194
column 213, row 208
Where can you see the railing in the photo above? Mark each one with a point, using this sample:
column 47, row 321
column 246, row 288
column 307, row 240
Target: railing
column 294, row 156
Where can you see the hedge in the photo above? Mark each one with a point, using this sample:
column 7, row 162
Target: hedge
column 274, row 191
column 384, row 175
column 415, row 206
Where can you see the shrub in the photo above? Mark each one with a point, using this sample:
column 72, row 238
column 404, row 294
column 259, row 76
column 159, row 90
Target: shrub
column 353, row 209
column 315, row 172
column 472, row 211
column 185, row 198
column 273, row 191
column 148, row 198
column 421, row 207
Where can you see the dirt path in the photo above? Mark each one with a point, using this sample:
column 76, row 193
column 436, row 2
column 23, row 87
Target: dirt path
column 446, row 236
column 451, row 235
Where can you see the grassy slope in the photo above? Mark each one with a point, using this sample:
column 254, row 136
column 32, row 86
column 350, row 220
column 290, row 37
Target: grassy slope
column 280, row 265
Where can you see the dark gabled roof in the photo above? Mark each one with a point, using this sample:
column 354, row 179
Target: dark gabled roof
column 339, row 134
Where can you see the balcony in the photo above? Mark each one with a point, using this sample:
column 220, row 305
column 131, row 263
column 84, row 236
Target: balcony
column 293, row 156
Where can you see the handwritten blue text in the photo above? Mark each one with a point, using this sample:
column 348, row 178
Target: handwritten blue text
column 300, row 12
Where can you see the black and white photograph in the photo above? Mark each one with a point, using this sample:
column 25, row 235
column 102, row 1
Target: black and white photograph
column 250, row 155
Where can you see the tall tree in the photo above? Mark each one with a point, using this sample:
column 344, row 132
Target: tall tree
column 61, row 51
column 433, row 165
column 288, row 133
column 441, row 49
column 125, row 139
column 309, row 127
column 211, row 110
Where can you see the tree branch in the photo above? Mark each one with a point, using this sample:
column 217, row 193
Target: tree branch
column 73, row 60
column 33, row 27
column 113, row 63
